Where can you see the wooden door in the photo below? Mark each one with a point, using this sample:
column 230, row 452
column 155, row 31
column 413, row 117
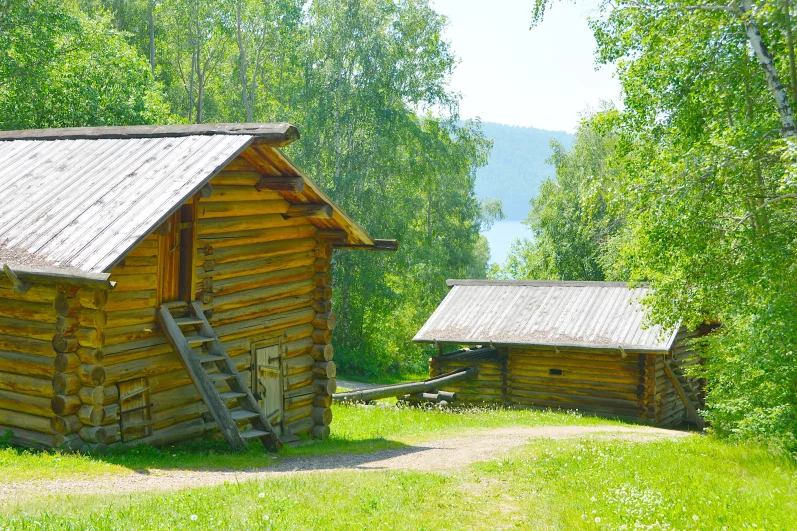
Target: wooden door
column 175, row 256
column 268, row 382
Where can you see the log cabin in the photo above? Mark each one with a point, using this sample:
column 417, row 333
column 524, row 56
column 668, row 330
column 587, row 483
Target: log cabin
column 564, row 345
column 163, row 282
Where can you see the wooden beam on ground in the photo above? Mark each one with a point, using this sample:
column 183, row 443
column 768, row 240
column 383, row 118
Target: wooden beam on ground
column 281, row 184
column 386, row 391
column 321, row 211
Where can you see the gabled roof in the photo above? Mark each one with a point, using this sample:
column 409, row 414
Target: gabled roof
column 79, row 199
column 599, row 315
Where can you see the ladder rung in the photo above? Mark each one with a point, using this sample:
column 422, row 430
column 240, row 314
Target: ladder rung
column 199, row 340
column 210, row 357
column 250, row 434
column 184, row 321
column 242, row 414
column 229, row 395
column 221, row 376
column 131, row 394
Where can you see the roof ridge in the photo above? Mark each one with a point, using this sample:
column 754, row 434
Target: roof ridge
column 543, row 283
column 273, row 134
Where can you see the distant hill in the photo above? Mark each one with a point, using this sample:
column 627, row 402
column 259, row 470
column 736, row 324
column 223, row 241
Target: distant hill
column 517, row 165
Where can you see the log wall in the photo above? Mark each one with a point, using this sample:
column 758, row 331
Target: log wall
column 598, row 382
column 40, row 367
column 259, row 276
column 670, row 409
column 488, row 388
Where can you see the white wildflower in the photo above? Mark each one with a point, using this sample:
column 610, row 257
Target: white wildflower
column 261, row 495
column 194, row 518
column 597, row 519
column 695, row 517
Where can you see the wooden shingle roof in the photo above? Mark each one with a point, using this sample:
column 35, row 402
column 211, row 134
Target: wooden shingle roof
column 79, row 199
column 594, row 315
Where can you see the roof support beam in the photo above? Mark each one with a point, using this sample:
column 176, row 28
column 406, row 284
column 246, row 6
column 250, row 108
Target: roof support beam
column 25, row 276
column 280, row 184
column 19, row 286
column 322, row 211
column 379, row 245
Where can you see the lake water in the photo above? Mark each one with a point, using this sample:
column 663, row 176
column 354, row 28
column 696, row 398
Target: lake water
column 501, row 236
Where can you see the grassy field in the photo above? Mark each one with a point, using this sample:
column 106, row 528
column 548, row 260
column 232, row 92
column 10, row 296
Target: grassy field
column 587, row 483
column 356, row 429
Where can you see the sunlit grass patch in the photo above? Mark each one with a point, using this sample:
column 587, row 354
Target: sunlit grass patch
column 690, row 483
column 355, row 429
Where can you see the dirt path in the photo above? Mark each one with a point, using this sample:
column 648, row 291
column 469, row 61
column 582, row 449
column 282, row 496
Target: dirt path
column 437, row 455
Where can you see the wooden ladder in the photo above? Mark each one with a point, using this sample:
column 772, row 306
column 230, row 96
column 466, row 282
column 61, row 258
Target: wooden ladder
column 214, row 356
column 685, row 391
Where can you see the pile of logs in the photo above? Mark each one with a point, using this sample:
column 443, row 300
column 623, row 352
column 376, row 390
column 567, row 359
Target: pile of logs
column 440, row 398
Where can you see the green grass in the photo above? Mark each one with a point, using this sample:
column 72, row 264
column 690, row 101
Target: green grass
column 590, row 483
column 384, row 379
column 355, row 429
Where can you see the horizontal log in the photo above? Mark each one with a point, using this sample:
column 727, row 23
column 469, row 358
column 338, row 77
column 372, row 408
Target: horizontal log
column 90, row 337
column 65, row 425
column 220, row 225
column 292, row 231
column 321, row 336
column 328, row 321
column 256, row 266
column 386, row 391
column 322, row 415
column 66, row 383
column 65, row 404
column 300, row 400
column 27, row 345
column 264, row 324
column 325, row 369
column 62, row 343
column 92, row 356
column 223, row 209
column 92, row 395
column 307, row 390
column 281, row 184
column 97, row 434
column 261, row 295
column 66, row 361
column 317, row 211
column 27, row 329
column 178, row 432
column 299, row 427
column 224, row 255
column 322, row 306
column 320, row 431
column 299, row 347
column 224, row 193
column 27, row 364
column 91, row 415
column 323, row 293
column 144, row 367
column 297, row 413
column 26, row 421
column 28, row 385
column 39, row 293
column 260, row 280
column 323, row 279
column 134, row 317
column 297, row 380
column 24, row 403
column 322, row 400
column 298, row 364
column 91, row 375
column 322, row 352
column 325, row 386
column 130, row 300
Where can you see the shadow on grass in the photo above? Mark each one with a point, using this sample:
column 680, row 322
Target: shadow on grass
column 208, row 454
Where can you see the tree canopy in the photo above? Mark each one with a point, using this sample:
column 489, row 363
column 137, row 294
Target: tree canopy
column 692, row 188
column 365, row 82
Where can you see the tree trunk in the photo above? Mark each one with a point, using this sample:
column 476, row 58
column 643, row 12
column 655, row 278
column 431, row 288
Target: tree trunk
column 790, row 44
column 151, row 18
column 764, row 57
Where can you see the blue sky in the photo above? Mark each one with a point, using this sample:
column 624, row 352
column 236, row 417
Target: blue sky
column 542, row 78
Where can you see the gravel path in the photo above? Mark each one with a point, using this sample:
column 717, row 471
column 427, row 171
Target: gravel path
column 437, row 455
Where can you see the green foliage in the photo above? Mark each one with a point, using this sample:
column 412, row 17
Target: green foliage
column 706, row 192
column 367, row 85
column 570, row 217
column 59, row 68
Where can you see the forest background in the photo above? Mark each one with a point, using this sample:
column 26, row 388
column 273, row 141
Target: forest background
column 691, row 186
